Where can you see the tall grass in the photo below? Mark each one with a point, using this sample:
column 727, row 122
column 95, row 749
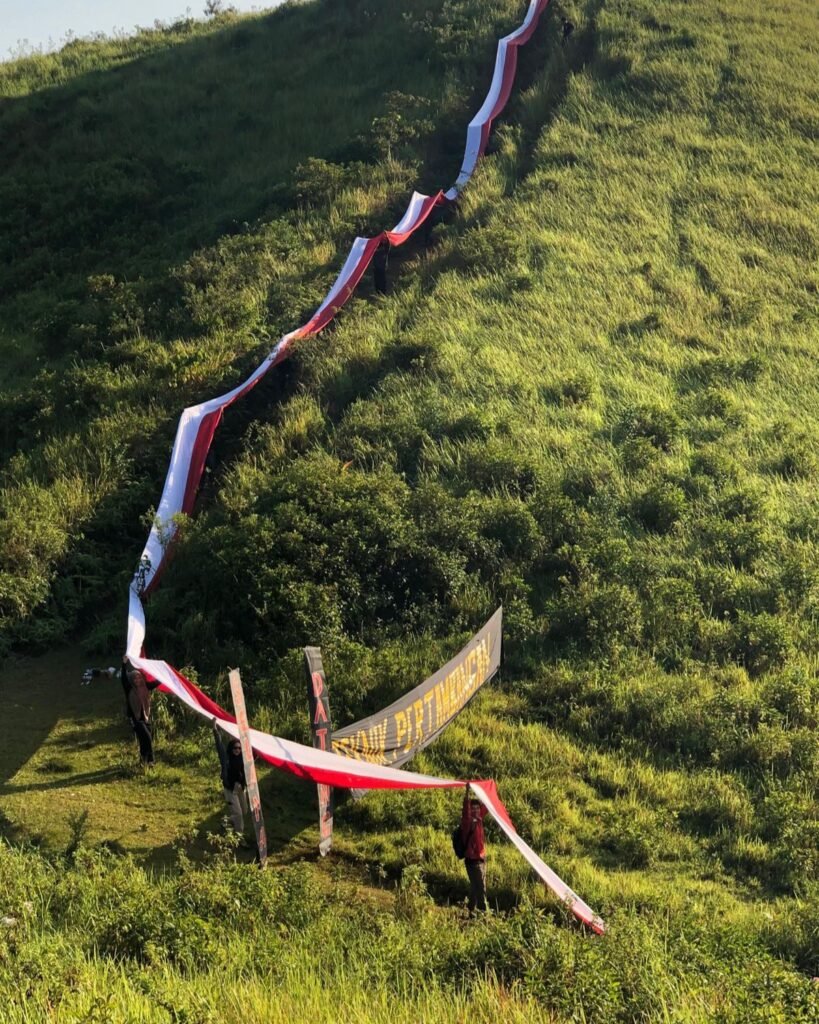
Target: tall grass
column 173, row 203
column 97, row 938
column 586, row 400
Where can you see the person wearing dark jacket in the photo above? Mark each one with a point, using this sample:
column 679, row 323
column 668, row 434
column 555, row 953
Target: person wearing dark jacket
column 138, row 708
column 474, row 842
column 233, row 778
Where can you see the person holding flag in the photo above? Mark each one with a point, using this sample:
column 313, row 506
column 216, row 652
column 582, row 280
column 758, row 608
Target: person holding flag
column 137, row 692
column 234, row 783
column 474, row 846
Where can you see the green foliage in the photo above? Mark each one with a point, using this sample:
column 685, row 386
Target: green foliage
column 586, row 401
column 121, row 942
column 660, row 507
column 653, row 423
column 151, row 260
column 400, row 126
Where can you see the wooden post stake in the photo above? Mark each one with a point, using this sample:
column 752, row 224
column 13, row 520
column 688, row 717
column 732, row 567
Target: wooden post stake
column 253, row 797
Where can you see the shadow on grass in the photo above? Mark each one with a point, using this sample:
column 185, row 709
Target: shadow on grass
column 49, row 721
column 9, row 830
column 87, row 738
column 69, row 782
column 289, row 808
column 37, row 693
column 163, row 152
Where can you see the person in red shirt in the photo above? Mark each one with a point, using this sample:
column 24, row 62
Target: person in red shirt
column 474, row 842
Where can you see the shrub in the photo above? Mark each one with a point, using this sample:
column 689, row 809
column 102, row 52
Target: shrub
column 720, row 404
column 588, row 485
column 494, row 248
column 717, row 802
column 740, row 531
column 660, row 507
column 671, row 612
column 578, row 389
column 413, row 900
column 715, row 639
column 715, row 463
column 402, row 124
column 658, row 425
column 763, row 641
column 598, row 618
column 498, row 464
column 796, row 459
column 794, row 694
column 793, row 930
column 318, row 182
column 509, row 523
column 631, row 835
column 638, row 454
column 789, row 821
column 779, row 753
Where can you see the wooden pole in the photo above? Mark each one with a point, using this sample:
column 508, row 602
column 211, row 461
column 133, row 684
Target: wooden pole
column 253, row 798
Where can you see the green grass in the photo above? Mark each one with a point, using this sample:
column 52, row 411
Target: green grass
column 132, row 281
column 589, row 400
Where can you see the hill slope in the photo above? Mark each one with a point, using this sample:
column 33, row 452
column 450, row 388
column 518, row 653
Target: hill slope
column 130, row 280
column 585, row 401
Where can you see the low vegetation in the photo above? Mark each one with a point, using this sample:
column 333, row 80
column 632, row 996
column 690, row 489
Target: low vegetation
column 586, row 400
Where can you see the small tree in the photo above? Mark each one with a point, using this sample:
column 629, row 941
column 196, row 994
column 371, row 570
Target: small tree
column 401, row 124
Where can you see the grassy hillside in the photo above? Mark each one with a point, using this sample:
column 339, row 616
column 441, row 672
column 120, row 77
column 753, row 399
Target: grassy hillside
column 589, row 400
column 131, row 280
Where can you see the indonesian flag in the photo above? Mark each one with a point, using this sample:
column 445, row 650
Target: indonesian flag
column 197, row 426
column 198, row 423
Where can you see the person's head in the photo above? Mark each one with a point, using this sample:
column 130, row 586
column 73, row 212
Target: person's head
column 235, row 748
column 475, row 805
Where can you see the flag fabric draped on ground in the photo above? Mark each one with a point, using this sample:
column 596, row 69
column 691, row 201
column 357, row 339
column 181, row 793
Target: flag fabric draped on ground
column 194, row 435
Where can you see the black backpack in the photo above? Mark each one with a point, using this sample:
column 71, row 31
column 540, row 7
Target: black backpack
column 458, row 844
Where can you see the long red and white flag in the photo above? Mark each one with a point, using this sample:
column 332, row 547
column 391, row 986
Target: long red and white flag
column 194, row 435
column 198, row 423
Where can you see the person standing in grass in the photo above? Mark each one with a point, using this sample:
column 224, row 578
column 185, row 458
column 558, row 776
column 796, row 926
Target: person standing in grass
column 233, row 778
column 138, row 707
column 474, row 845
